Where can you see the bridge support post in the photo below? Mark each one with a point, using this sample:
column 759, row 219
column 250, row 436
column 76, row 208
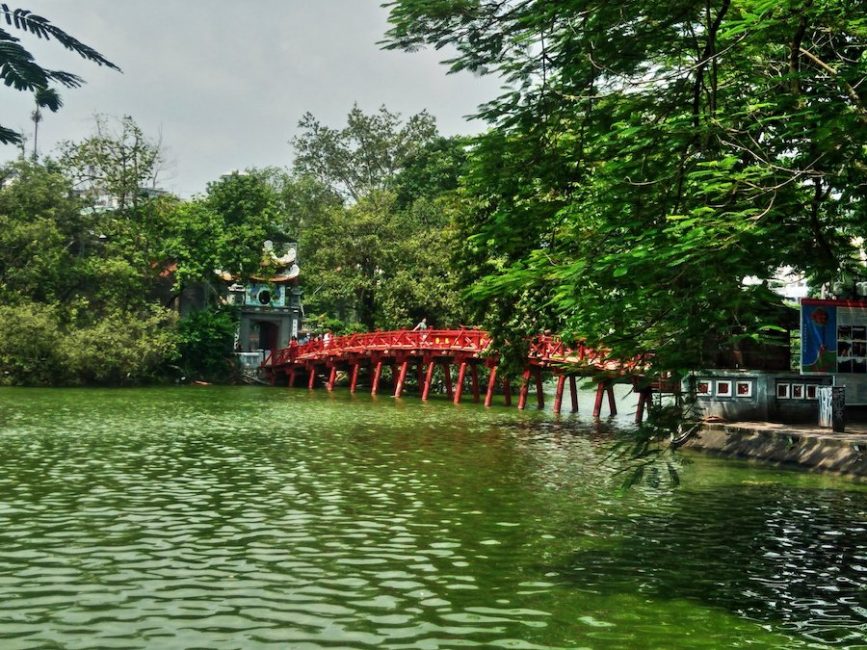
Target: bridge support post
column 332, row 377
column 427, row 380
column 292, row 376
column 573, row 393
column 597, row 404
column 377, row 373
column 459, row 388
column 525, row 389
column 492, row 384
column 645, row 395
column 540, row 394
column 311, row 382
column 507, row 391
column 604, row 388
column 612, row 404
column 353, row 382
column 419, row 376
column 447, row 372
column 474, row 380
column 558, row 396
column 401, row 377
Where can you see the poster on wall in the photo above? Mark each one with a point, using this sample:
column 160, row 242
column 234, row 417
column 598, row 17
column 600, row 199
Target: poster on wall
column 834, row 341
column 834, row 336
column 818, row 336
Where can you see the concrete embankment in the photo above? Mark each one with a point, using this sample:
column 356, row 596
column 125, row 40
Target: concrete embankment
column 785, row 444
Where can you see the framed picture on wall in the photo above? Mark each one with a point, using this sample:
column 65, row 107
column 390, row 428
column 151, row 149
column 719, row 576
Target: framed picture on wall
column 723, row 388
column 783, row 391
column 810, row 391
column 744, row 388
column 704, row 388
column 797, row 391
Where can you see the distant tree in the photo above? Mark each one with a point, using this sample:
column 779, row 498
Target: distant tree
column 383, row 259
column 19, row 70
column 364, row 155
column 117, row 162
column 43, row 234
column 249, row 211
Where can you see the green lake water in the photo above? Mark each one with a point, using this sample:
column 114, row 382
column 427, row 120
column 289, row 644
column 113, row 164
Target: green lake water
column 268, row 517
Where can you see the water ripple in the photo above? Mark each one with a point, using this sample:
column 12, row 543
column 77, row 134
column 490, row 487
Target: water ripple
column 226, row 518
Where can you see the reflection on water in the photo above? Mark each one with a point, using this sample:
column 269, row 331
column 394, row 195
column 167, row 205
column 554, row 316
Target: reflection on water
column 247, row 517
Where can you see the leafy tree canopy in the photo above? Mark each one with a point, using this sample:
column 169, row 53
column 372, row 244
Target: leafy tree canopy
column 118, row 162
column 364, row 155
column 383, row 259
column 648, row 156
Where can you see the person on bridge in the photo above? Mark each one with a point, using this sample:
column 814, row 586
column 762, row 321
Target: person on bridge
column 422, row 325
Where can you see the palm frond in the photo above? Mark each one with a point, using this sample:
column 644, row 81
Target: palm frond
column 48, row 98
column 41, row 27
column 18, row 69
column 65, row 78
column 8, row 136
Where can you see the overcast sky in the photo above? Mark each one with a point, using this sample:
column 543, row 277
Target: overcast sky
column 223, row 83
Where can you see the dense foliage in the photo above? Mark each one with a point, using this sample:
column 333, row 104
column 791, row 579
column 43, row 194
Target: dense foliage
column 648, row 157
column 91, row 262
column 373, row 205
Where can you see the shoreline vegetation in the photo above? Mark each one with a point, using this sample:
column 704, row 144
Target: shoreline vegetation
column 644, row 204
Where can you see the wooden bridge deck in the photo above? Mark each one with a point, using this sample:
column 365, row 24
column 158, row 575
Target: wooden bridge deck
column 467, row 350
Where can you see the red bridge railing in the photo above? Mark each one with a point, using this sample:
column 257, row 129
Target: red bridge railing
column 467, row 349
column 469, row 341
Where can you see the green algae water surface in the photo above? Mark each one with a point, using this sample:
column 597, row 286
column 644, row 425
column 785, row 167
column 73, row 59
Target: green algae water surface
column 263, row 517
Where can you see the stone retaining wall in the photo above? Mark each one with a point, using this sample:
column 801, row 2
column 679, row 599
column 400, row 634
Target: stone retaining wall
column 782, row 444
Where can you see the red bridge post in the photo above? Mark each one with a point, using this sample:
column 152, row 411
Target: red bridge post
column 459, row 387
column 507, row 391
column 353, row 382
column 558, row 396
column 540, row 394
column 474, row 378
column 492, row 384
column 401, row 377
column 377, row 373
column 573, row 393
column 447, row 372
column 525, row 389
column 427, row 380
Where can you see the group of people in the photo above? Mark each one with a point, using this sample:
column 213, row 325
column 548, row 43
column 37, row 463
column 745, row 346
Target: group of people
column 327, row 337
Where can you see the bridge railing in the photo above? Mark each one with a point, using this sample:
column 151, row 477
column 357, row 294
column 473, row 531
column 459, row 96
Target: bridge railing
column 542, row 348
column 463, row 340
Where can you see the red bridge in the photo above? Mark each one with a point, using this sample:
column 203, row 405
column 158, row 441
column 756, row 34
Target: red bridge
column 467, row 350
